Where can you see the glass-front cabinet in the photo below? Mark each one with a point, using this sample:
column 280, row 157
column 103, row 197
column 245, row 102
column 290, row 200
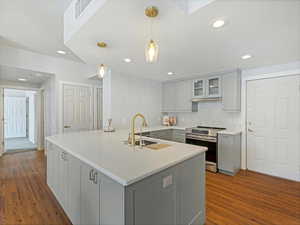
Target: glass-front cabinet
column 207, row 88
column 213, row 87
column 198, row 88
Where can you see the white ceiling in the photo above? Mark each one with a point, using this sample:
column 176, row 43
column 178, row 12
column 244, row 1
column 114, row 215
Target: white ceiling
column 189, row 46
column 13, row 74
column 35, row 25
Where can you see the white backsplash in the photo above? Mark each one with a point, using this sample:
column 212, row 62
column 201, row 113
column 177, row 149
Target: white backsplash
column 210, row 114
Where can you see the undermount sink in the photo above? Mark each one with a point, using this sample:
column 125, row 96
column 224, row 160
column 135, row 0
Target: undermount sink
column 145, row 142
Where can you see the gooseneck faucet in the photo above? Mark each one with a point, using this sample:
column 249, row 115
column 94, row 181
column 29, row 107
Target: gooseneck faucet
column 144, row 124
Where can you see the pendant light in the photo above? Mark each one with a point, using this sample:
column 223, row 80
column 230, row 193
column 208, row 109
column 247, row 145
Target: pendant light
column 151, row 50
column 102, row 69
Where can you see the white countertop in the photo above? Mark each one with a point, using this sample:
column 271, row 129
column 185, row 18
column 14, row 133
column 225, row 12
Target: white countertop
column 147, row 129
column 125, row 164
column 227, row 131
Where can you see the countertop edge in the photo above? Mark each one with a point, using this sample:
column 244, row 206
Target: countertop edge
column 117, row 178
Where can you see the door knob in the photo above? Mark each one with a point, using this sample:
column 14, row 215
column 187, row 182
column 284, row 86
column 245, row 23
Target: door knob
column 250, row 130
column 67, row 126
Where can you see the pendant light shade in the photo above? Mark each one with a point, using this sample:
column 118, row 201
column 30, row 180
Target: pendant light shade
column 101, row 71
column 151, row 51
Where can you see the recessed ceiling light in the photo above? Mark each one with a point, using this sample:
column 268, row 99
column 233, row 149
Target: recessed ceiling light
column 22, row 79
column 61, row 52
column 218, row 23
column 127, row 60
column 170, row 73
column 248, row 56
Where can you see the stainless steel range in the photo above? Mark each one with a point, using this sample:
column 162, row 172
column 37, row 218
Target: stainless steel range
column 208, row 137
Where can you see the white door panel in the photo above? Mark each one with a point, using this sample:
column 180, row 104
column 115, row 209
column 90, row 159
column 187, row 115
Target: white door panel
column 1, row 121
column 77, row 114
column 15, row 117
column 273, row 131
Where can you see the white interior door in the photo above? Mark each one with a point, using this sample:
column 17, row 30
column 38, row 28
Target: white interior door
column 14, row 117
column 273, row 126
column 77, row 113
column 1, row 121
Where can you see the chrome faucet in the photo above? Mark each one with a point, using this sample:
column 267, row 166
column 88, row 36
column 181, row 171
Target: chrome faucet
column 144, row 124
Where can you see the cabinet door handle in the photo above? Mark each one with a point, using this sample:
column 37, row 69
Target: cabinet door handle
column 66, row 127
column 62, row 155
column 91, row 175
column 95, row 180
column 65, row 156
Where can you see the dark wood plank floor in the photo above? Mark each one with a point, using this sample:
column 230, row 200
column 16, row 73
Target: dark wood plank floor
column 248, row 198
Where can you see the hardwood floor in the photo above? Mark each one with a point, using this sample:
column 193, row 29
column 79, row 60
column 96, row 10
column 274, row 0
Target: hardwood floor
column 24, row 196
column 248, row 198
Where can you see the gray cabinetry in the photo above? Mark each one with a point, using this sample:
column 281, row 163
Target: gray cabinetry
column 169, row 92
column 178, row 135
column 162, row 134
column 74, row 190
column 90, row 195
column 177, row 96
column 174, row 196
column 63, row 177
column 229, row 153
column 175, row 135
column 231, row 91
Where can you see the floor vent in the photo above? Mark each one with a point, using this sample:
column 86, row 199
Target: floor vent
column 80, row 6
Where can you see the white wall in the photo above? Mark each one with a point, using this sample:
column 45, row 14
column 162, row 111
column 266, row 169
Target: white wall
column 31, row 117
column 124, row 96
column 210, row 114
column 62, row 70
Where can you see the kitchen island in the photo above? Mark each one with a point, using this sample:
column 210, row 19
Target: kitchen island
column 98, row 179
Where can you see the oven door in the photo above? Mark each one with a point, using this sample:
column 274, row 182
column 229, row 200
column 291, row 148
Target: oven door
column 210, row 154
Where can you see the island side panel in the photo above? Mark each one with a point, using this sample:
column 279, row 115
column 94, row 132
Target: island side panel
column 173, row 196
column 111, row 201
column 191, row 191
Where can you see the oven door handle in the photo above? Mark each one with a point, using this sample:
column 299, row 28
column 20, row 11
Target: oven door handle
column 214, row 140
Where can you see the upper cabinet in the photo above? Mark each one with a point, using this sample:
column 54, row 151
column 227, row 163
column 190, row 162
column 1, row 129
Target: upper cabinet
column 231, row 96
column 183, row 96
column 207, row 88
column 213, row 87
column 177, row 96
column 198, row 88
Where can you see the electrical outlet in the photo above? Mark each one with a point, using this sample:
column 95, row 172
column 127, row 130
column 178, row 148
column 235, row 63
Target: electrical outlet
column 167, row 181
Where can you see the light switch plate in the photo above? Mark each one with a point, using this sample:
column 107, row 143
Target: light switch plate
column 167, row 181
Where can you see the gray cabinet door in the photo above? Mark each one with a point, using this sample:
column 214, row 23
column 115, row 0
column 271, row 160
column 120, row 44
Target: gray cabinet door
column 62, row 180
column 55, row 172
column 232, row 92
column 178, row 136
column 225, row 153
column 90, row 196
column 162, row 134
column 153, row 203
column 73, row 193
column 50, row 166
column 169, row 98
column 229, row 153
column 183, row 96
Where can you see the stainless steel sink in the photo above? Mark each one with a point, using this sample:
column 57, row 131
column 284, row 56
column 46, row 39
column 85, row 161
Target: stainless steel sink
column 144, row 142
